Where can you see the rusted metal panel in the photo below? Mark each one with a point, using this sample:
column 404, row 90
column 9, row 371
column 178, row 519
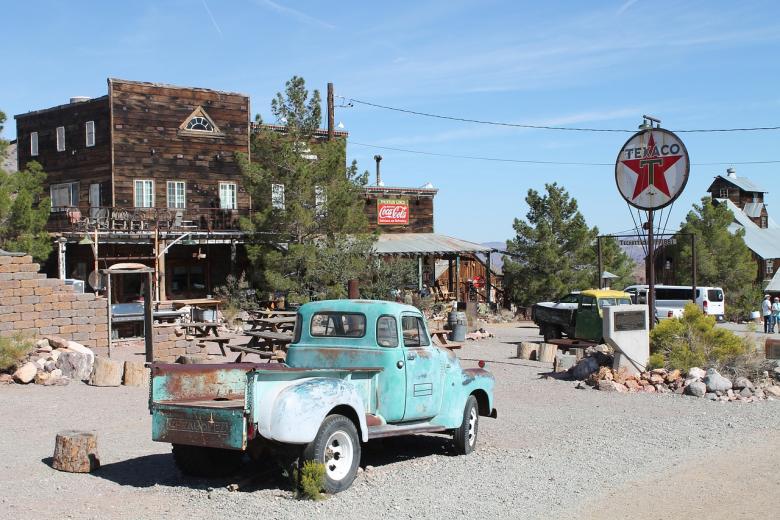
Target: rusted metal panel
column 200, row 426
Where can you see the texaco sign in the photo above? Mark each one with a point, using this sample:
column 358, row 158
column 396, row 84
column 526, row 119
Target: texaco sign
column 652, row 169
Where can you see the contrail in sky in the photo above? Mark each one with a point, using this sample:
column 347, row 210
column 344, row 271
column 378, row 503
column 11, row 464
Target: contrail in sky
column 216, row 25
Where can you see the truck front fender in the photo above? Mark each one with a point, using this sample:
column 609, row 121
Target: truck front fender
column 298, row 409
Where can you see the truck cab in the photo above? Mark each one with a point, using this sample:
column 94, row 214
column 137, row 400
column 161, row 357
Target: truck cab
column 579, row 319
column 356, row 370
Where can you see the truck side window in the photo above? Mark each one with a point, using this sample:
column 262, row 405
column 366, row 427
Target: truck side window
column 414, row 332
column 387, row 331
column 588, row 303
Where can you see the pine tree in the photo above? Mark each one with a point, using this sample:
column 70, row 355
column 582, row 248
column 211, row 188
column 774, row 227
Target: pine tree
column 24, row 210
column 309, row 241
column 722, row 258
column 554, row 250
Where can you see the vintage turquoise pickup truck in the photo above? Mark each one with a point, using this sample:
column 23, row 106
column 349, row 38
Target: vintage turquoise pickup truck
column 355, row 371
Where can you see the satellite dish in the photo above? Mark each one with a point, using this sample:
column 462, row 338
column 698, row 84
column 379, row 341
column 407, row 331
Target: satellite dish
column 97, row 280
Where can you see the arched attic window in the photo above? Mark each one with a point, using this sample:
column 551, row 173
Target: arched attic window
column 199, row 124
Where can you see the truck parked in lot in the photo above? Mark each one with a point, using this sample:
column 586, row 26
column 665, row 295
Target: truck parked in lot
column 355, row 371
column 578, row 315
column 670, row 300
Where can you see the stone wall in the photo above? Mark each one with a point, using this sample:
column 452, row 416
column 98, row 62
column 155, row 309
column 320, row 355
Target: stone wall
column 170, row 342
column 35, row 306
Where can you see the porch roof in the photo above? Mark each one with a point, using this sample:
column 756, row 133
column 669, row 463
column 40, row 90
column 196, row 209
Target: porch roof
column 425, row 244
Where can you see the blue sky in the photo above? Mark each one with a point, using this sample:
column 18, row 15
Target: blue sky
column 707, row 64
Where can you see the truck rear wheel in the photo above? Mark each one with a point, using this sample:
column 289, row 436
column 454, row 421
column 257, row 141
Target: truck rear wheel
column 200, row 461
column 465, row 437
column 337, row 446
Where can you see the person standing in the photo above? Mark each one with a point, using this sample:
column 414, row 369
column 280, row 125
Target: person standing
column 766, row 312
column 776, row 314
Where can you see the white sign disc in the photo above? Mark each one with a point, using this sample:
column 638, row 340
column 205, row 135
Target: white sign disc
column 652, row 169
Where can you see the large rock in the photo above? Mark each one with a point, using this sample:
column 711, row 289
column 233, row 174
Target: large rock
column 75, row 365
column 772, row 391
column 58, row 342
column 584, row 368
column 673, row 376
column 716, row 382
column 696, row 372
column 43, row 344
column 696, row 389
column 106, row 372
column 135, row 373
column 746, row 392
column 26, row 373
column 743, row 382
column 611, row 386
column 78, row 347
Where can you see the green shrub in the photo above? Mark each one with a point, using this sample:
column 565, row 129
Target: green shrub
column 694, row 340
column 13, row 350
column 656, row 360
column 311, row 481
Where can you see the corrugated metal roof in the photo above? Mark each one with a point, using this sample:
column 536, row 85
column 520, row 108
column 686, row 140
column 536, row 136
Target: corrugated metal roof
column 742, row 183
column 753, row 209
column 765, row 242
column 424, row 243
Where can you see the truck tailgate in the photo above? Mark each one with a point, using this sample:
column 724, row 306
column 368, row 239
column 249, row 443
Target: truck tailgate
column 200, row 405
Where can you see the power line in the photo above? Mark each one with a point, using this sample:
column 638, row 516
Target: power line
column 532, row 161
column 548, row 127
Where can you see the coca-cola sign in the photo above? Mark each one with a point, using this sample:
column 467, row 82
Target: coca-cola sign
column 392, row 211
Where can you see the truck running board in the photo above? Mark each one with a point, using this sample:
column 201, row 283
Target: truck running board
column 391, row 430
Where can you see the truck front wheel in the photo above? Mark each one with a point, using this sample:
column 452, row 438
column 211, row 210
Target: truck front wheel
column 337, row 446
column 465, row 437
column 200, row 461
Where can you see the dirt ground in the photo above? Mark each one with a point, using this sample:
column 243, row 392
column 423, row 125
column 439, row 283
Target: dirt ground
column 554, row 451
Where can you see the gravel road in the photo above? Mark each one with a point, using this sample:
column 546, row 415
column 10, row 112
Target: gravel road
column 553, row 452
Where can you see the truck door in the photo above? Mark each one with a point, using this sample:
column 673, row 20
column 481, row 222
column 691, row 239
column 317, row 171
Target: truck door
column 424, row 370
column 391, row 382
column 588, row 324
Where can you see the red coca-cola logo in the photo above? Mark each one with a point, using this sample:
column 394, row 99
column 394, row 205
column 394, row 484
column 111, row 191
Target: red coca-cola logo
column 393, row 213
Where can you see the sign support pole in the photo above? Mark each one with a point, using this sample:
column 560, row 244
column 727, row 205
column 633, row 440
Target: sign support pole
column 600, row 267
column 651, row 267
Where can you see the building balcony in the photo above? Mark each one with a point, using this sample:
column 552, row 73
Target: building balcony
column 144, row 220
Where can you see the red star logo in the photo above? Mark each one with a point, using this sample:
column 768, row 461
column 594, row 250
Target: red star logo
column 650, row 169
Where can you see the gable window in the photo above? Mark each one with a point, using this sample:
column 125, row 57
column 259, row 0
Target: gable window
column 763, row 222
column 144, row 193
column 60, row 138
column 200, row 124
column 724, row 193
column 34, row 144
column 755, row 197
column 277, row 196
column 176, row 194
column 227, row 195
column 320, row 199
column 90, row 130
column 770, row 267
column 64, row 195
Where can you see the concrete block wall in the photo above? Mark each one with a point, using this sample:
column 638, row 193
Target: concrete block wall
column 170, row 342
column 35, row 306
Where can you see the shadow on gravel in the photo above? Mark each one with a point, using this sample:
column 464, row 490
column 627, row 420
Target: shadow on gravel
column 383, row 452
column 492, row 362
column 159, row 469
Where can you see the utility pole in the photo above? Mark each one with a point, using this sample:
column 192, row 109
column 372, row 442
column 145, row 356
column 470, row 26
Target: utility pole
column 331, row 113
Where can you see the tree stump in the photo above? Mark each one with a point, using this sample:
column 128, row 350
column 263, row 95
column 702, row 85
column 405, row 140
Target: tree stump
column 527, row 350
column 135, row 373
column 546, row 352
column 76, row 452
column 106, row 372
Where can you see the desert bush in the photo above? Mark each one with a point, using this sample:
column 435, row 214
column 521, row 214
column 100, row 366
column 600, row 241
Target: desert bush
column 12, row 351
column 694, row 340
column 237, row 293
column 311, row 480
column 656, row 360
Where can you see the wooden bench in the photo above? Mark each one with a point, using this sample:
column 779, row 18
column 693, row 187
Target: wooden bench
column 202, row 329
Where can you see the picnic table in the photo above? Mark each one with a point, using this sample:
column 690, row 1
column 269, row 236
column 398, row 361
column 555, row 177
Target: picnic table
column 224, row 345
column 268, row 341
column 201, row 329
column 440, row 337
column 278, row 324
column 270, row 313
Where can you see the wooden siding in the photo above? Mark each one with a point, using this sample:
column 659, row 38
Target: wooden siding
column 149, row 145
column 78, row 162
column 420, row 215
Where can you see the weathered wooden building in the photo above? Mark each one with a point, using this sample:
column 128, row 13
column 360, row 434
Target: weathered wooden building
column 147, row 173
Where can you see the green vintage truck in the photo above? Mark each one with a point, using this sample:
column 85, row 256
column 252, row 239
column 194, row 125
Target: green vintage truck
column 355, row 371
column 577, row 315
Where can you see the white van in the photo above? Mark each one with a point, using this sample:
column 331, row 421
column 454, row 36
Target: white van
column 670, row 299
column 712, row 301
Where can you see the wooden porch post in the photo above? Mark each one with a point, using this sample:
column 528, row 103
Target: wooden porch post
column 457, row 277
column 489, row 298
column 419, row 272
column 61, row 265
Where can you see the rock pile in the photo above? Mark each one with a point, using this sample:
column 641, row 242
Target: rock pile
column 56, row 362
column 709, row 384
